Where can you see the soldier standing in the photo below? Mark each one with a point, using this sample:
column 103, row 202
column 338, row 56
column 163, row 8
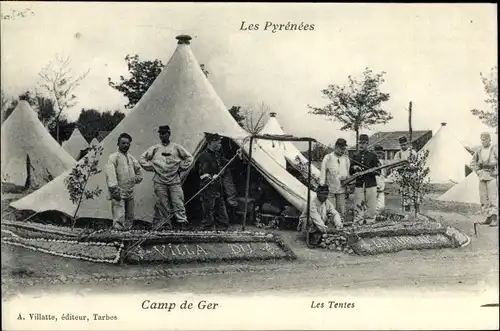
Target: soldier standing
column 167, row 160
column 379, row 150
column 365, row 191
column 334, row 169
column 485, row 164
column 404, row 154
column 212, row 197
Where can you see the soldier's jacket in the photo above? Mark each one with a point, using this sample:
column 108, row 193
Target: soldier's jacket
column 486, row 167
column 209, row 164
column 370, row 160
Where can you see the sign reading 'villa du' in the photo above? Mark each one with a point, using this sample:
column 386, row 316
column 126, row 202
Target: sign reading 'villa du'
column 205, row 252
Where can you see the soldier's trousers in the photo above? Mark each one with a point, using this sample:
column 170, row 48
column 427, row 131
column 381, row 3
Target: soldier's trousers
column 169, row 202
column 488, row 196
column 229, row 188
column 123, row 213
column 338, row 201
column 367, row 196
column 214, row 211
column 380, row 201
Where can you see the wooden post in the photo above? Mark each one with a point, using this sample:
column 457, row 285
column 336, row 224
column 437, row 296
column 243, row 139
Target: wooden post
column 409, row 123
column 248, row 183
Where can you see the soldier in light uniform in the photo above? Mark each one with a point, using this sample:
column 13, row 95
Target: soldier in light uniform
column 167, row 160
column 404, row 154
column 379, row 150
column 334, row 169
column 485, row 164
column 123, row 172
column 365, row 191
column 323, row 216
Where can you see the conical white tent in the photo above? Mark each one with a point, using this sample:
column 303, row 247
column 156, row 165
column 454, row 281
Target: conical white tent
column 94, row 142
column 182, row 97
column 28, row 150
column 447, row 157
column 467, row 191
column 285, row 149
column 274, row 148
column 75, row 143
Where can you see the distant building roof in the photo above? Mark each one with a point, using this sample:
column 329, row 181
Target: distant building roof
column 389, row 140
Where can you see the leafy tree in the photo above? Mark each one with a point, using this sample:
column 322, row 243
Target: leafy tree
column 40, row 104
column 142, row 74
column 358, row 104
column 59, row 82
column 77, row 180
column 235, row 111
column 91, row 121
column 490, row 117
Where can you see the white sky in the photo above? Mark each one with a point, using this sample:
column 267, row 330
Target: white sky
column 433, row 55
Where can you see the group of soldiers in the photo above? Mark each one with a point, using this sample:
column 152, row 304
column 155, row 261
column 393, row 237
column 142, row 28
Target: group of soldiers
column 169, row 162
column 328, row 210
column 328, row 207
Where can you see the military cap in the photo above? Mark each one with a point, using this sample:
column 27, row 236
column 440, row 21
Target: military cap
column 323, row 189
column 341, row 142
column 163, row 129
column 363, row 137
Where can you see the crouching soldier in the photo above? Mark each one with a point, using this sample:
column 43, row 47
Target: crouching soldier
column 212, row 197
column 123, row 172
column 322, row 216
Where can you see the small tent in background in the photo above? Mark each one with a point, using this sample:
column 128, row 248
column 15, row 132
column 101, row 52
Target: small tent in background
column 276, row 149
column 467, row 191
column 94, row 142
column 286, row 149
column 75, row 144
column 30, row 156
column 182, row 97
column 447, row 158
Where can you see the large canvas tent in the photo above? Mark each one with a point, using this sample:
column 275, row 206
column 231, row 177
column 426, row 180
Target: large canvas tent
column 75, row 144
column 30, row 156
column 447, row 158
column 285, row 150
column 182, row 97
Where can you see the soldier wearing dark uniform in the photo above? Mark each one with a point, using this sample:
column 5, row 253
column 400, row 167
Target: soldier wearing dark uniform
column 212, row 197
column 366, row 186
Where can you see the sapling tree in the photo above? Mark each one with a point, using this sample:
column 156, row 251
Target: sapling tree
column 77, row 180
column 413, row 179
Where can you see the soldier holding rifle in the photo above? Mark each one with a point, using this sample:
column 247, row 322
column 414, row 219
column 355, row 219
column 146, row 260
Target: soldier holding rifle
column 365, row 191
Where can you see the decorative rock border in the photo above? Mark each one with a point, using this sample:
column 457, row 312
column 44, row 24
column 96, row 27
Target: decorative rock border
column 388, row 237
column 141, row 246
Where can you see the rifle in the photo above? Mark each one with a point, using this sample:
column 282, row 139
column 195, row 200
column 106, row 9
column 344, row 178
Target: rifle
column 369, row 171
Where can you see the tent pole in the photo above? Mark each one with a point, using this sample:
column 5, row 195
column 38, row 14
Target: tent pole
column 309, row 183
column 248, row 184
